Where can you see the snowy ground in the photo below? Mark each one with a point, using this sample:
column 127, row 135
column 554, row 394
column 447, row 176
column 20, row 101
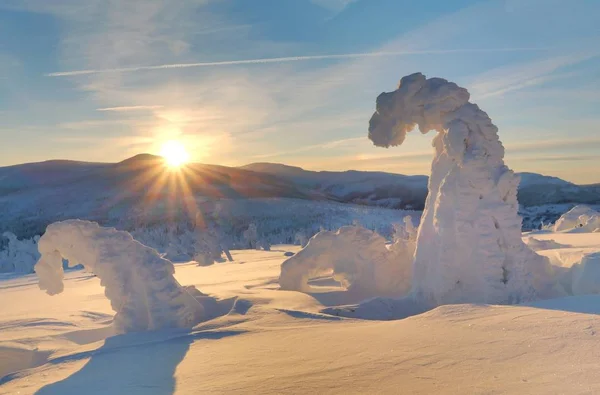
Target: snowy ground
column 277, row 341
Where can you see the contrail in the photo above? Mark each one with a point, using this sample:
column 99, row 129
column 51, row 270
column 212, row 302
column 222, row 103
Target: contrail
column 129, row 108
column 282, row 60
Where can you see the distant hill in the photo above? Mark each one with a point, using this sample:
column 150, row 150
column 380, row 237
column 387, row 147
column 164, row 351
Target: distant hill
column 141, row 189
column 359, row 187
column 35, row 194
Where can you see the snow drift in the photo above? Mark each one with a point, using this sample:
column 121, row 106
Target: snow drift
column 357, row 257
column 469, row 246
column 138, row 282
column 580, row 218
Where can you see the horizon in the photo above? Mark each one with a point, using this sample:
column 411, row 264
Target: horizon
column 156, row 156
column 293, row 84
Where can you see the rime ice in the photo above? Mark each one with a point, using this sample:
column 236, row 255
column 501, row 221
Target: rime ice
column 138, row 282
column 469, row 246
column 358, row 257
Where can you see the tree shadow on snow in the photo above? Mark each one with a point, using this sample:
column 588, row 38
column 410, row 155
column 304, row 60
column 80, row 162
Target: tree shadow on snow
column 135, row 363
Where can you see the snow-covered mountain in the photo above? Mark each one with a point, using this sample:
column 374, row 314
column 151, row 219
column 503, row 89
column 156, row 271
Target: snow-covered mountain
column 140, row 190
column 401, row 191
column 359, row 187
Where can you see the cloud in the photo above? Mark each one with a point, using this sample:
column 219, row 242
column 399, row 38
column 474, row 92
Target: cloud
column 525, row 75
column 283, row 60
column 309, row 148
column 561, row 158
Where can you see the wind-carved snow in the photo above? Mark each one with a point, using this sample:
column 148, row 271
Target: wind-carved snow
column 138, row 282
column 580, row 218
column 357, row 257
column 469, row 246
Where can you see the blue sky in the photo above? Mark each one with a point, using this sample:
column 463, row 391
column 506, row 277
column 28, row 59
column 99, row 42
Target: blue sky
column 245, row 81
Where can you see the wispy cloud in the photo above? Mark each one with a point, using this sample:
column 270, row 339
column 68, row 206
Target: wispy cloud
column 308, row 148
column 130, row 108
column 516, row 77
column 284, row 60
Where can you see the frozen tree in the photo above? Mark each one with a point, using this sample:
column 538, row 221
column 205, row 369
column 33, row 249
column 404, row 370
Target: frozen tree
column 251, row 237
column 580, row 218
column 252, row 240
column 357, row 257
column 469, row 246
column 138, row 282
column 19, row 256
column 300, row 239
column 210, row 242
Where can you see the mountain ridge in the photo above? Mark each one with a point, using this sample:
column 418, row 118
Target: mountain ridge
column 142, row 187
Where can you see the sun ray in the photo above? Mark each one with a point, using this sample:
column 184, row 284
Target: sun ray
column 174, row 153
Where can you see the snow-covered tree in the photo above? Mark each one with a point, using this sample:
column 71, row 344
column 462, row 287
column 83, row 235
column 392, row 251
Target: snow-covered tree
column 19, row 256
column 138, row 282
column 357, row 257
column 469, row 246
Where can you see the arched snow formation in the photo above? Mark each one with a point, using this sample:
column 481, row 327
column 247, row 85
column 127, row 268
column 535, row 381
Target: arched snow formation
column 469, row 246
column 138, row 282
column 358, row 257
column 580, row 218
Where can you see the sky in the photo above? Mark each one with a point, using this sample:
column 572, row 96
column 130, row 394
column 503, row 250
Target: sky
column 293, row 81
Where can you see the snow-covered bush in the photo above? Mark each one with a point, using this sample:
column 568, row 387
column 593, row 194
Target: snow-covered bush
column 580, row 218
column 469, row 246
column 356, row 257
column 138, row 282
column 19, row 256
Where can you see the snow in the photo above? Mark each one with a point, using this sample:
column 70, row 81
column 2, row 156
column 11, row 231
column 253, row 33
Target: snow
column 469, row 246
column 275, row 341
column 138, row 282
column 580, row 218
column 19, row 256
column 586, row 275
column 358, row 258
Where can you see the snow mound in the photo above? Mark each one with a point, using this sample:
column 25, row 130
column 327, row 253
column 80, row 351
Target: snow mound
column 17, row 356
column 138, row 282
column 539, row 245
column 586, row 275
column 358, row 258
column 469, row 247
column 580, row 218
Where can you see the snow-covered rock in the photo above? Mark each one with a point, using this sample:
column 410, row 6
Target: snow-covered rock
column 469, row 246
column 580, row 218
column 138, row 282
column 357, row 257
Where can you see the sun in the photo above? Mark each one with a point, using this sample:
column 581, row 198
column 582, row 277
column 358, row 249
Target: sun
column 174, row 153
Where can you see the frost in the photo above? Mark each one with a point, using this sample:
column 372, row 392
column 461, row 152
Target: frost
column 19, row 256
column 580, row 218
column 210, row 244
column 253, row 241
column 357, row 257
column 138, row 282
column 469, row 246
